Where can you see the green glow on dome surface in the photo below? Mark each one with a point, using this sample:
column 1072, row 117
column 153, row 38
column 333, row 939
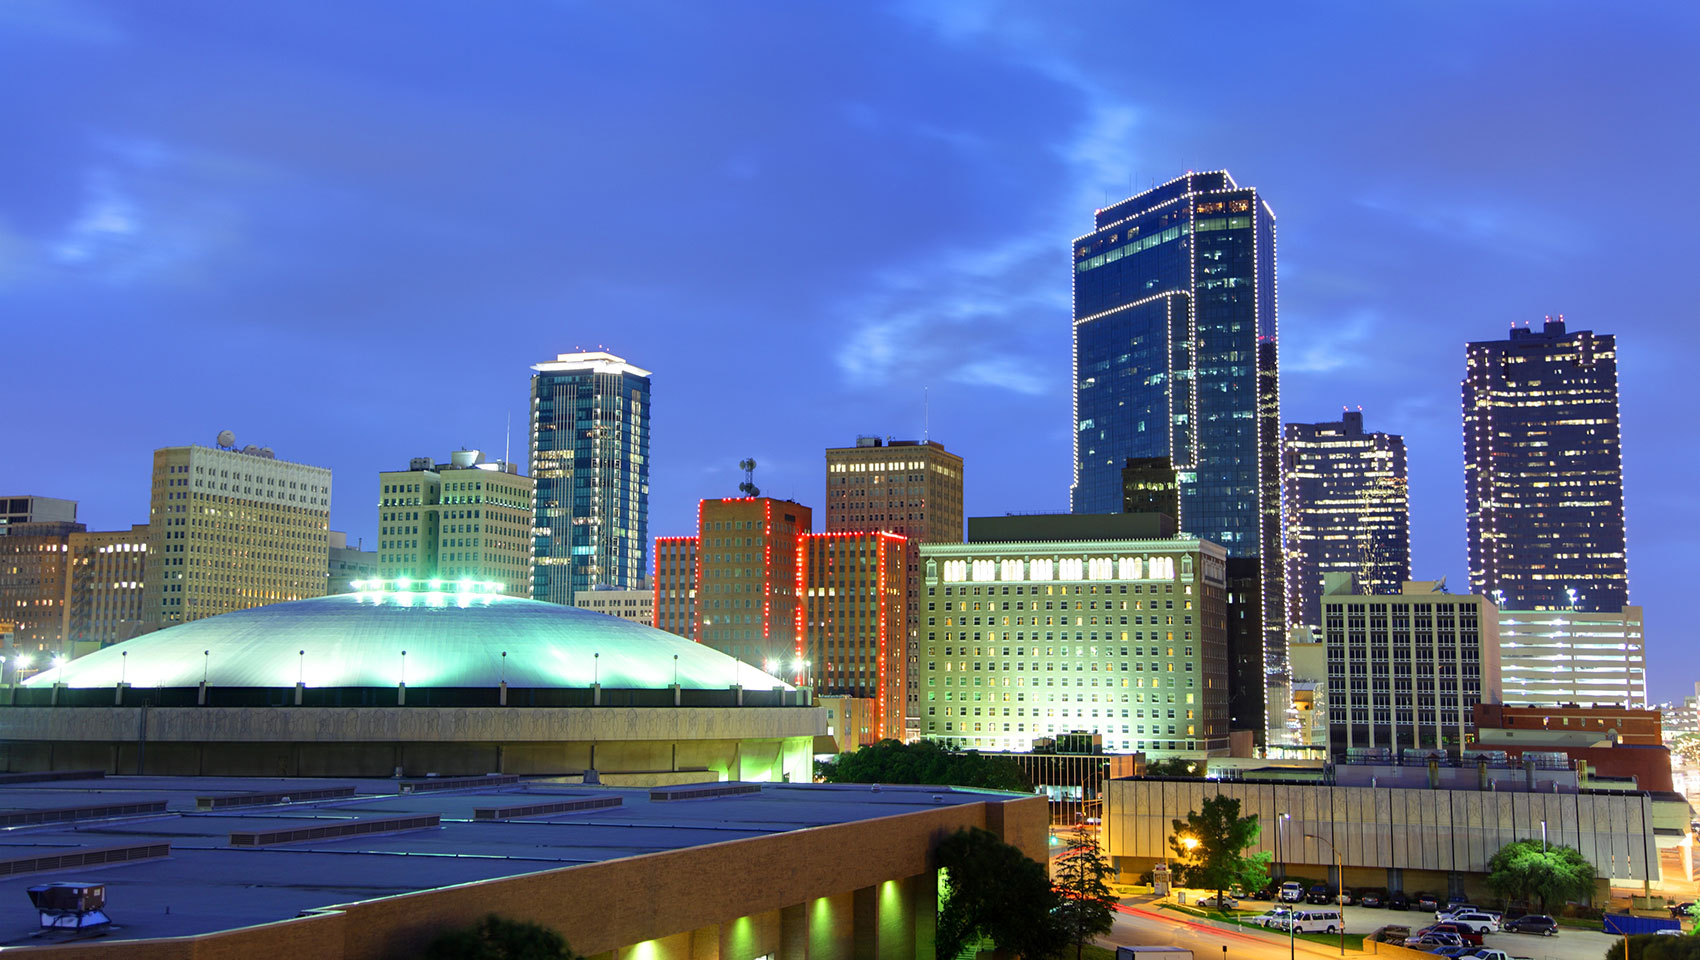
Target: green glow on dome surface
column 451, row 639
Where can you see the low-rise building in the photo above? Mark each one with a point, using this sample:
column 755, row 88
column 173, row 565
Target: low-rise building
column 348, row 564
column 103, row 599
column 636, row 605
column 27, row 509
column 467, row 519
column 1615, row 742
column 1573, row 656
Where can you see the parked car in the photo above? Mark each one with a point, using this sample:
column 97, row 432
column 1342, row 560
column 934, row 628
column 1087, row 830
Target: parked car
column 1322, row 920
column 1424, row 940
column 1292, row 892
column 1347, row 897
column 1267, row 892
column 1685, row 909
column 1268, row 917
column 1398, row 901
column 1478, row 921
column 1225, row 903
column 1425, row 901
column 1319, row 894
column 1532, row 923
column 1454, row 953
column 1484, row 953
column 1465, row 934
column 1372, row 899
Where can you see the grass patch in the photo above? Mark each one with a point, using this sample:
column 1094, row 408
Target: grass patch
column 1580, row 923
column 1354, row 941
column 1094, row 952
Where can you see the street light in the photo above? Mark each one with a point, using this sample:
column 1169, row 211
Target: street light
column 1339, row 876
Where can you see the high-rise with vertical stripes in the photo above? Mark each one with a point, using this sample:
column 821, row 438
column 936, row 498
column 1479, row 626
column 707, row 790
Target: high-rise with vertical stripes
column 590, row 458
column 1175, row 356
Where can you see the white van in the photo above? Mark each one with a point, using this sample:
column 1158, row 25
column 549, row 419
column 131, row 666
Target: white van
column 1320, row 920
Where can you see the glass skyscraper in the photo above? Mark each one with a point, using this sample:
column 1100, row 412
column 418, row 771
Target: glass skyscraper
column 1175, row 356
column 590, row 458
column 1348, row 510
column 1543, row 471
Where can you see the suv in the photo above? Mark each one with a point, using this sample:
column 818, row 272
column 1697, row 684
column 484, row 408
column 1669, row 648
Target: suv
column 1372, row 899
column 1532, row 923
column 1476, row 920
column 1398, row 901
column 1319, row 894
column 1425, row 902
column 1292, row 892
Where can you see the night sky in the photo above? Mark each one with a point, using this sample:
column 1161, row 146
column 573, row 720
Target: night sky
column 346, row 230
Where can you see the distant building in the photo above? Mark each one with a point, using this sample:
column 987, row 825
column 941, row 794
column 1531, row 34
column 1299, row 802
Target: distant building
column 1572, row 657
column 467, row 519
column 855, row 621
column 749, row 580
column 1045, row 626
column 347, row 564
column 1613, row 742
column 849, row 721
column 1405, row 671
column 1347, row 510
column 908, row 487
column 34, row 576
column 676, row 585
column 1175, row 355
column 637, row 605
column 1308, row 655
column 1543, row 471
column 1149, row 485
column 16, row 510
column 231, row 529
column 590, row 456
column 103, row 600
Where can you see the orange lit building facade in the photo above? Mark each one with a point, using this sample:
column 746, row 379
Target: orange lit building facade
column 748, row 579
column 855, row 620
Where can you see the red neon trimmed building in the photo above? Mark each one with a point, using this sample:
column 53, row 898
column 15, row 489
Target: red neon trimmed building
column 825, row 610
column 856, row 623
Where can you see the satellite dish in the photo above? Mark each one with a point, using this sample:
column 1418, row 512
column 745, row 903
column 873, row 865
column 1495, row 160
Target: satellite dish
column 226, row 438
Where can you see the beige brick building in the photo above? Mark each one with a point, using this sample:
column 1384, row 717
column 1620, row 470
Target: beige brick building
column 103, row 587
column 467, row 519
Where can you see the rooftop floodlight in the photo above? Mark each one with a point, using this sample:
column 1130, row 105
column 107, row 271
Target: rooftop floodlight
column 465, row 586
column 59, row 661
column 24, row 661
column 436, row 585
column 500, row 587
column 769, row 666
column 403, row 583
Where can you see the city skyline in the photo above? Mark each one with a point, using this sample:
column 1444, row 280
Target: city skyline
column 922, row 296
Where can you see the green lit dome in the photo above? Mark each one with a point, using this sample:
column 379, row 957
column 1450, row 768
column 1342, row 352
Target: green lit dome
column 450, row 639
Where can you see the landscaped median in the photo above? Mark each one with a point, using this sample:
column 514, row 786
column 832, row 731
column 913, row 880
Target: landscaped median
column 1238, row 919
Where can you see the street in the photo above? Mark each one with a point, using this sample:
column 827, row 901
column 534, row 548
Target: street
column 1140, row 922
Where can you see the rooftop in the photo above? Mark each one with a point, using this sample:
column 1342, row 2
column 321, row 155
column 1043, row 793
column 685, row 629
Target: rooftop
column 209, row 884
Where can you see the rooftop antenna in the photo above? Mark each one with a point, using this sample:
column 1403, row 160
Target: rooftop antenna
column 748, row 488
column 508, row 440
column 926, row 413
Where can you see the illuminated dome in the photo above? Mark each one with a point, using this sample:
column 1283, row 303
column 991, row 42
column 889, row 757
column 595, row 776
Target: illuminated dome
column 454, row 638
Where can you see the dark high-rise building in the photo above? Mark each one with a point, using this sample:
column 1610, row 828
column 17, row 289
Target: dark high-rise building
column 1543, row 471
column 590, row 458
column 1175, row 356
column 1348, row 510
column 1149, row 486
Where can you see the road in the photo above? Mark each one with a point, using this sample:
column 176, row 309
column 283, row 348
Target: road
column 1138, row 921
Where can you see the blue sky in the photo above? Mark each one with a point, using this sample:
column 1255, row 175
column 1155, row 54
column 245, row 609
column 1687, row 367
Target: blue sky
column 346, row 230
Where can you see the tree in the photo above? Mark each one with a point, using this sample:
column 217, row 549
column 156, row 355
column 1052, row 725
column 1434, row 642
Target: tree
column 498, row 938
column 1088, row 907
column 1686, row 749
column 925, row 761
column 1647, row 946
column 1175, row 767
column 1210, row 847
column 993, row 890
column 1523, row 870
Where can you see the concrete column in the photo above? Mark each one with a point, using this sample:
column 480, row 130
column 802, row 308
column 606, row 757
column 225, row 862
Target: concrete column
column 201, row 695
column 118, row 694
column 596, row 694
column 300, row 690
column 502, row 698
column 401, row 694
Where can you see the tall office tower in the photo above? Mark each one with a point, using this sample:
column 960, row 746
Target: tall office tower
column 1407, row 669
column 231, row 529
column 908, row 487
column 467, row 519
column 1175, row 356
column 855, row 621
column 675, row 603
column 347, row 564
column 103, row 590
column 16, row 510
column 34, row 571
column 1043, row 626
column 1543, row 471
column 749, row 579
column 1348, row 510
column 1149, row 485
column 1550, row 657
column 590, row 457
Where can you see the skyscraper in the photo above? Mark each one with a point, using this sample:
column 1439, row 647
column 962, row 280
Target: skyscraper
column 749, row 578
column 1175, row 356
column 230, row 529
column 1348, row 510
column 465, row 519
column 590, row 458
column 1543, row 471
column 907, row 487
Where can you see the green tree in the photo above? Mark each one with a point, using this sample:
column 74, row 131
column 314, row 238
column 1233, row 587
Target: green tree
column 498, row 938
column 1210, row 847
column 993, row 890
column 1647, row 946
column 1523, row 870
column 1175, row 767
column 927, row 762
column 1088, row 907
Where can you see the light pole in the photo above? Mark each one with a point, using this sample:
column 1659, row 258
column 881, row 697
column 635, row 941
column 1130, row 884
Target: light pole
column 1543, row 836
column 1339, row 876
column 1280, row 828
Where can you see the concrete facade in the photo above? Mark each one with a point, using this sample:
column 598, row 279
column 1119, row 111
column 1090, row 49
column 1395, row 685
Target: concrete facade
column 1572, row 656
column 1394, row 837
column 637, row 605
column 464, row 519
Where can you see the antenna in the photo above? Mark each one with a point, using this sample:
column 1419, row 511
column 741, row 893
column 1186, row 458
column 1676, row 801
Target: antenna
column 926, row 413
column 508, row 440
column 748, row 488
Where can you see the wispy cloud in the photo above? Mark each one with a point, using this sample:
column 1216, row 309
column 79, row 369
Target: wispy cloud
column 1331, row 345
